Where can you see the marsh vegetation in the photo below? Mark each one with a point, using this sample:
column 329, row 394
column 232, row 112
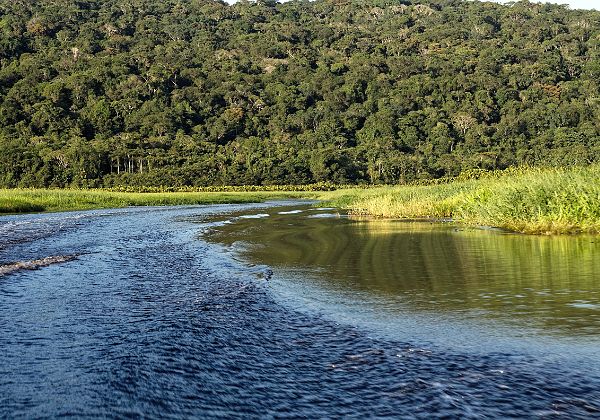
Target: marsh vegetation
column 531, row 200
column 524, row 200
column 41, row 200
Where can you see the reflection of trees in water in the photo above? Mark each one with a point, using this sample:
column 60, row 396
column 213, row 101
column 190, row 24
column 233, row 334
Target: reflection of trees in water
column 436, row 266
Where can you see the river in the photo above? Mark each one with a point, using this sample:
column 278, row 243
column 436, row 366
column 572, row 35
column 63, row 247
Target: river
column 281, row 309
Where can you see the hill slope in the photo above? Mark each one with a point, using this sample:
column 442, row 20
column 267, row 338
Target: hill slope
column 194, row 92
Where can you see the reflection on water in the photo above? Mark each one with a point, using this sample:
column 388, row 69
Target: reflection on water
column 549, row 283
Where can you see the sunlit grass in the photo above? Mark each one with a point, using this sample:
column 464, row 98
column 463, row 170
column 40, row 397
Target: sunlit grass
column 524, row 200
column 527, row 200
column 25, row 200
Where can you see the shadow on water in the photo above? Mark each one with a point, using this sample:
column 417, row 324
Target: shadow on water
column 551, row 284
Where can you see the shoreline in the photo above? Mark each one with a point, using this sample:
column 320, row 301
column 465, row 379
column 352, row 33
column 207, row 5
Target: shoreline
column 530, row 201
column 20, row 201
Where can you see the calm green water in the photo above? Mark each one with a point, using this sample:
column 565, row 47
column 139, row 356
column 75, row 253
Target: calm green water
column 549, row 286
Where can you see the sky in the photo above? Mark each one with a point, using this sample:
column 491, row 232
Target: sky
column 575, row 4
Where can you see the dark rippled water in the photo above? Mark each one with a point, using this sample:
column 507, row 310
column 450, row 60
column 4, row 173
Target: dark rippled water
column 151, row 319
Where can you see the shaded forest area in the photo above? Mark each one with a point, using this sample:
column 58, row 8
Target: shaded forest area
column 198, row 92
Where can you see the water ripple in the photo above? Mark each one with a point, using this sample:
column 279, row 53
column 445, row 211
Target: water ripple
column 155, row 323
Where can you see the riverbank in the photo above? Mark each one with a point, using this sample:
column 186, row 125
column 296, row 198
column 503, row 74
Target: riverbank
column 535, row 201
column 39, row 200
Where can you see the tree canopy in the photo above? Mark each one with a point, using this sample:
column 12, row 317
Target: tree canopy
column 199, row 92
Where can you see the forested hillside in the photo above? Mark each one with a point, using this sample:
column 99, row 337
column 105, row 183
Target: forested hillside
column 199, row 92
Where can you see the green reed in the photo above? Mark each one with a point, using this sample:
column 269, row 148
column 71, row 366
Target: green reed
column 38, row 200
column 530, row 200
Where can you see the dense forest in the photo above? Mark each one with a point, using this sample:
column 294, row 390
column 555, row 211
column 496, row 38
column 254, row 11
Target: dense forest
column 198, row 92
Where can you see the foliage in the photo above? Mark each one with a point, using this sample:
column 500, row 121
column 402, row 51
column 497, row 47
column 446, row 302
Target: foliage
column 37, row 200
column 529, row 200
column 108, row 93
column 232, row 188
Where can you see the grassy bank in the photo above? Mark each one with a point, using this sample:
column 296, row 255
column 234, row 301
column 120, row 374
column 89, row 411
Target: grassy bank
column 26, row 201
column 525, row 200
column 531, row 201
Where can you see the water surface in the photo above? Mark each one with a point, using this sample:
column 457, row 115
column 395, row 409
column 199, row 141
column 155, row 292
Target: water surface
column 167, row 312
column 549, row 285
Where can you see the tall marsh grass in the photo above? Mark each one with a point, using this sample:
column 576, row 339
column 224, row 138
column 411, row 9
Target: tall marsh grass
column 523, row 200
column 531, row 200
column 25, row 201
